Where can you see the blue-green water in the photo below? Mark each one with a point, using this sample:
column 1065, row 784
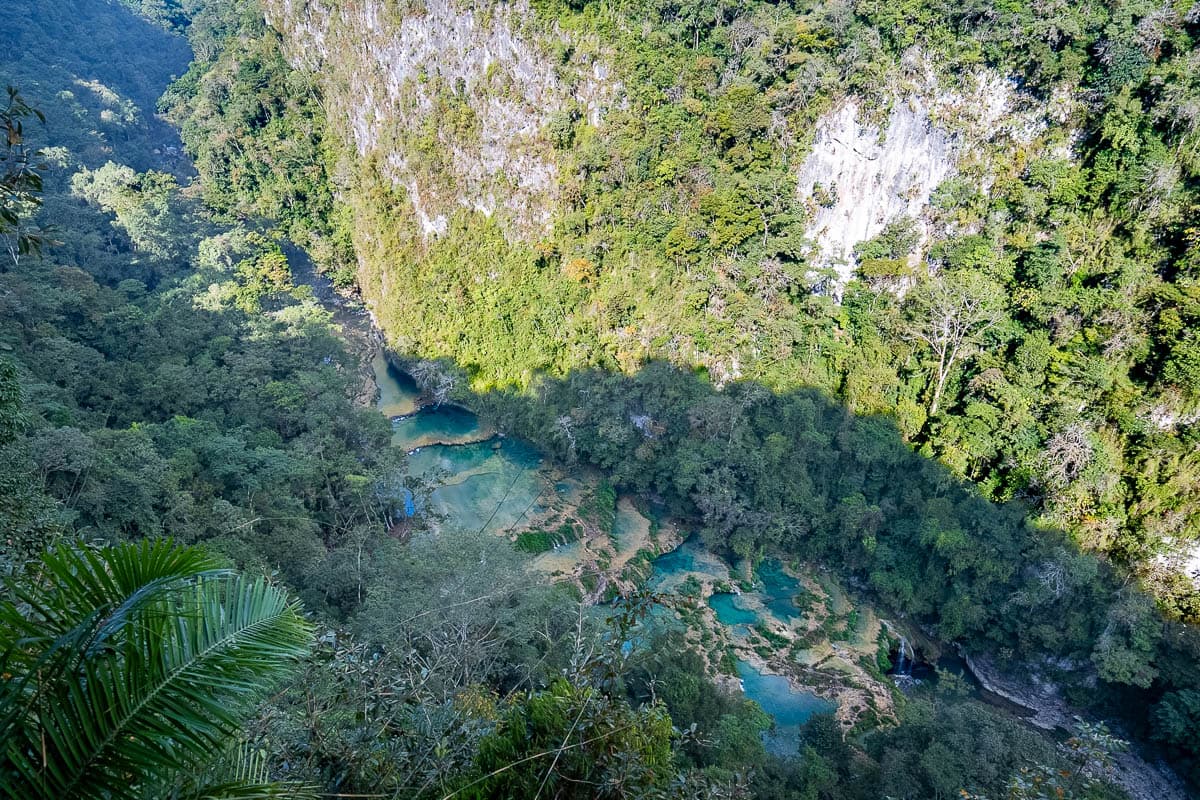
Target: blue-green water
column 398, row 393
column 480, row 483
column 671, row 569
column 494, row 485
column 789, row 708
column 778, row 590
column 445, row 462
column 488, row 486
column 442, row 425
column 415, row 426
column 730, row 610
column 677, row 562
column 626, row 524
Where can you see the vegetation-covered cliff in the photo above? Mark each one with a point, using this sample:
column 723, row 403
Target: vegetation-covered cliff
column 973, row 219
column 905, row 290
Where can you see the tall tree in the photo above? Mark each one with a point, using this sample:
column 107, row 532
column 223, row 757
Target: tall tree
column 951, row 314
column 29, row 519
column 20, row 178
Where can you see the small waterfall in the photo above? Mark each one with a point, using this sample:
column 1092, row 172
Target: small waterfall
column 904, row 658
column 904, row 667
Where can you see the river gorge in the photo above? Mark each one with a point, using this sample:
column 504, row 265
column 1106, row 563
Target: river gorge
column 791, row 637
column 570, row 382
column 788, row 636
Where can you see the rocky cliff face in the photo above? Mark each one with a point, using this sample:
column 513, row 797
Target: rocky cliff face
column 453, row 100
column 1143, row 776
column 460, row 106
column 861, row 176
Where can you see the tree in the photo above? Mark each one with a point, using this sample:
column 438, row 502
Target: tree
column 147, row 206
column 20, row 179
column 1125, row 650
column 29, row 519
column 132, row 667
column 1089, row 756
column 574, row 742
column 261, row 276
column 950, row 314
column 1176, row 720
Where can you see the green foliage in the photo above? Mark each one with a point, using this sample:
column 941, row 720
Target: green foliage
column 255, row 129
column 1085, row 755
column 401, row 706
column 748, row 466
column 148, row 208
column 1125, row 650
column 944, row 747
column 20, row 178
column 154, row 399
column 771, row 636
column 886, row 256
column 1176, row 723
column 600, row 507
column 535, row 541
column 573, row 743
column 1037, row 358
column 168, row 14
column 262, row 275
column 130, row 666
column 827, row 766
column 540, row 541
column 30, row 519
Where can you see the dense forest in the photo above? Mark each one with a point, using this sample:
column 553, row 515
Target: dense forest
column 1042, row 347
column 990, row 430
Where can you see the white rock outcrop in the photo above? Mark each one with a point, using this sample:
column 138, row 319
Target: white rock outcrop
column 859, row 177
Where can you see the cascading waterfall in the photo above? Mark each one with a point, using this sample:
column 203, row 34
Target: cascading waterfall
column 905, row 657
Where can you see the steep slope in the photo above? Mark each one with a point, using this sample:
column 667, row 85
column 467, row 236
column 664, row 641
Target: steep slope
column 860, row 176
column 803, row 198
column 456, row 103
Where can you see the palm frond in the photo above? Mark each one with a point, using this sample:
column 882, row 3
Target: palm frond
column 240, row 773
column 139, row 659
column 79, row 595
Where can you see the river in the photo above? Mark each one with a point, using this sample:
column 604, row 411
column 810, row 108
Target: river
column 483, row 481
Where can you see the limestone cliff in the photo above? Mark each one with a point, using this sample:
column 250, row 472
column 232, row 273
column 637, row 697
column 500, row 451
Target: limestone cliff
column 492, row 151
column 453, row 100
column 862, row 175
column 460, row 106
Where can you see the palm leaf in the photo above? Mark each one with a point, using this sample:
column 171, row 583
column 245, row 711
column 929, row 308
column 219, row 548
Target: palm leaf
column 240, row 773
column 79, row 594
column 73, row 602
column 141, row 661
